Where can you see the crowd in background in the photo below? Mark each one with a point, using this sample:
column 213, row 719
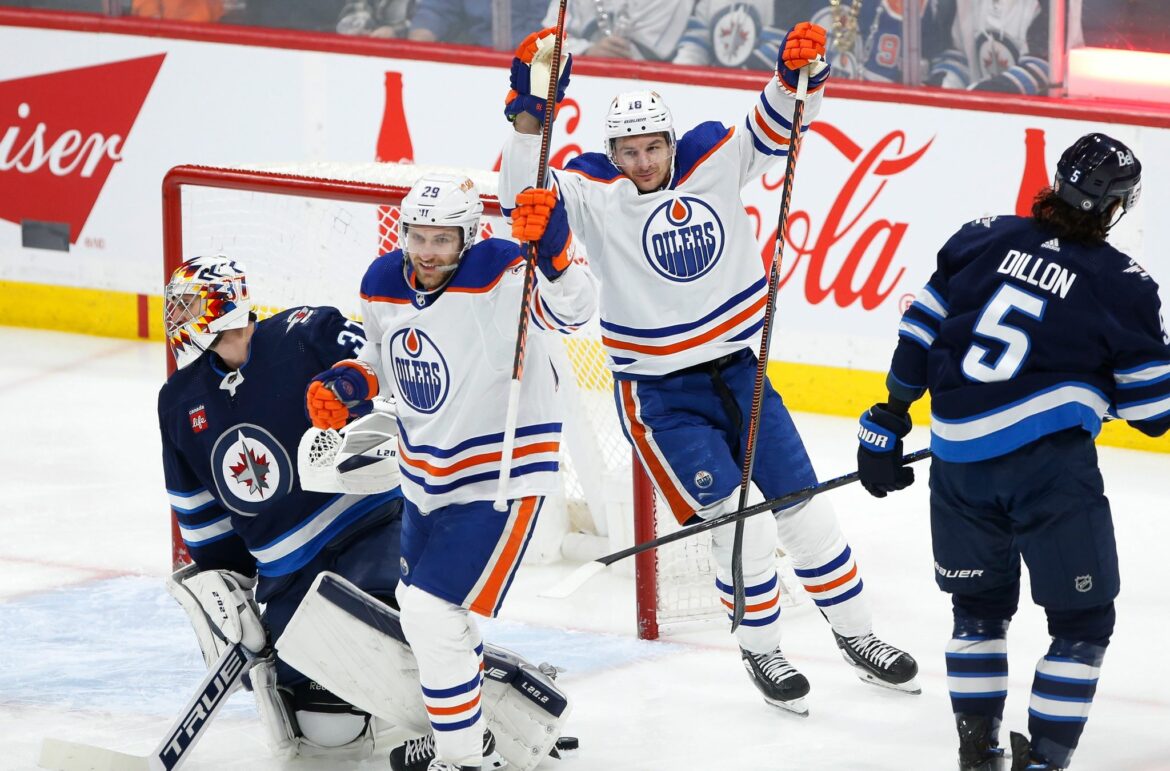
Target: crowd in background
column 987, row 45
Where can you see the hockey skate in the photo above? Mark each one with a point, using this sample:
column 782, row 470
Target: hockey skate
column 976, row 752
column 778, row 680
column 1024, row 760
column 879, row 663
column 419, row 755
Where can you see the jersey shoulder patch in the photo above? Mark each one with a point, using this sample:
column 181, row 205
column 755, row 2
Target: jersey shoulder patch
column 484, row 264
column 384, row 282
column 594, row 166
column 696, row 145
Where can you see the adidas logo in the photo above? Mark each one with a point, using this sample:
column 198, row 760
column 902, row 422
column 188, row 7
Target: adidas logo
column 1053, row 244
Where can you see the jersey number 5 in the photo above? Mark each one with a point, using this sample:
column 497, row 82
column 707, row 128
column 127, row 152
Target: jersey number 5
column 991, row 325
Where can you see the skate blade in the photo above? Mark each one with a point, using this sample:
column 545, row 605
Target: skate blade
column 911, row 686
column 797, row 707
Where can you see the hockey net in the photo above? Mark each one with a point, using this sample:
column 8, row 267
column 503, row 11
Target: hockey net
column 306, row 234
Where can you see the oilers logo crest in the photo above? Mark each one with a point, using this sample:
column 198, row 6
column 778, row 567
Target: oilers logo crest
column 419, row 369
column 683, row 238
column 251, row 469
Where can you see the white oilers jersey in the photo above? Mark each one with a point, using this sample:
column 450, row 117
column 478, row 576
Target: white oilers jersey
column 682, row 278
column 447, row 358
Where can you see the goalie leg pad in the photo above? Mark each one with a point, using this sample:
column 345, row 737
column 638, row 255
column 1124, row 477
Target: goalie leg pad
column 825, row 566
column 272, row 704
column 354, row 645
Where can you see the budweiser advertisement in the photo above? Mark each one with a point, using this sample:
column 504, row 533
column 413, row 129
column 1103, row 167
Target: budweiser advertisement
column 90, row 123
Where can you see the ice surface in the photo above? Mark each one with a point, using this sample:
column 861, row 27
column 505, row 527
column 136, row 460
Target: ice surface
column 92, row 649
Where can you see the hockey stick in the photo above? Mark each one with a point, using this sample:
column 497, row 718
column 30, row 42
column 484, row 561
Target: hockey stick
column 513, row 413
column 749, row 456
column 578, row 577
column 221, row 680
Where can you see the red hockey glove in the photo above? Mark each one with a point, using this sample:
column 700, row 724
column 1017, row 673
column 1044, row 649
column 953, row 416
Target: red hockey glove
column 336, row 391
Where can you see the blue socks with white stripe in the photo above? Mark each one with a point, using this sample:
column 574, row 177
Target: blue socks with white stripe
column 1062, row 693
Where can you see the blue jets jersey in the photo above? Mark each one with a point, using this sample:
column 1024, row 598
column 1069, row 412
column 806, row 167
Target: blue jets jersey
column 1019, row 334
column 229, row 449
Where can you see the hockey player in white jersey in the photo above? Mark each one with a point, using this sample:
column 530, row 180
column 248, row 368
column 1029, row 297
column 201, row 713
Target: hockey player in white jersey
column 682, row 304
column 441, row 317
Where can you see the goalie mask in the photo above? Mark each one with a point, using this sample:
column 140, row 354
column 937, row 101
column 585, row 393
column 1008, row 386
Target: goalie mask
column 439, row 201
column 361, row 459
column 205, row 297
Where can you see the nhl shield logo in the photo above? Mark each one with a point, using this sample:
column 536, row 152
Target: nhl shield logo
column 683, row 238
column 419, row 369
column 1083, row 583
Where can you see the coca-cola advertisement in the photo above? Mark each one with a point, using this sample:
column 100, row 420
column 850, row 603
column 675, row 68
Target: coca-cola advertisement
column 90, row 123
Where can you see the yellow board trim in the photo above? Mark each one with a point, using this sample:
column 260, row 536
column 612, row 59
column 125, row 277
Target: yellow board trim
column 805, row 387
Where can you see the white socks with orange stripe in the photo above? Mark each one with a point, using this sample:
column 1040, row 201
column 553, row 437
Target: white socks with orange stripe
column 759, row 631
column 448, row 647
column 824, row 564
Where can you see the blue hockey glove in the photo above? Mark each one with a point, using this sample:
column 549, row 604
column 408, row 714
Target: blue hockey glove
column 337, row 393
column 804, row 45
column 540, row 217
column 535, row 53
column 879, row 451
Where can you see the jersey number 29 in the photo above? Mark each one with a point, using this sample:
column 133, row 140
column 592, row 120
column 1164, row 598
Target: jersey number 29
column 991, row 325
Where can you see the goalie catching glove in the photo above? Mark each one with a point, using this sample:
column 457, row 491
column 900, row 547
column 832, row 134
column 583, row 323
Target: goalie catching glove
column 531, row 69
column 221, row 608
column 540, row 217
column 803, row 46
column 338, row 392
column 362, row 459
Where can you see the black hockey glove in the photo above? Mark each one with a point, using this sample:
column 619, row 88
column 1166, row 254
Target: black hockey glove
column 879, row 451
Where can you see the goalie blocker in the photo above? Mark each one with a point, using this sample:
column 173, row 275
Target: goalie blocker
column 352, row 644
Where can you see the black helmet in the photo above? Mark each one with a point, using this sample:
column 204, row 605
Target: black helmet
column 1096, row 171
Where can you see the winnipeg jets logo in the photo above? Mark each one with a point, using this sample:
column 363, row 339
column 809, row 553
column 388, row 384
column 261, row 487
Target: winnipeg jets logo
column 683, row 238
column 251, row 468
column 734, row 33
column 419, row 369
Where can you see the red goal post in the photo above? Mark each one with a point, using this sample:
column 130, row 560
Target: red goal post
column 306, row 233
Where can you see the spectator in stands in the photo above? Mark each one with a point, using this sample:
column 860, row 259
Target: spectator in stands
column 992, row 45
column 865, row 36
column 623, row 29
column 731, row 33
column 376, row 18
column 470, row 21
column 182, row 10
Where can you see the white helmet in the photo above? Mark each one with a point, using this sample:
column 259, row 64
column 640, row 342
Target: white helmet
column 634, row 113
column 205, row 297
column 442, row 200
column 361, row 459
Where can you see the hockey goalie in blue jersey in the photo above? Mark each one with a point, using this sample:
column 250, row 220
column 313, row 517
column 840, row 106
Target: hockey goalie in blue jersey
column 231, row 418
column 1029, row 333
column 682, row 303
column 441, row 314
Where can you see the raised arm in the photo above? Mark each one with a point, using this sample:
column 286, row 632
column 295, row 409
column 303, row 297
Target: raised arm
column 768, row 125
